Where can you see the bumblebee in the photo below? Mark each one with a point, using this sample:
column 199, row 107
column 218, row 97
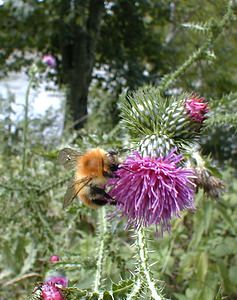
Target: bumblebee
column 92, row 171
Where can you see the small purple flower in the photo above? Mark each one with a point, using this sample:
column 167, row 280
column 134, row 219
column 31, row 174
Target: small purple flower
column 51, row 292
column 196, row 108
column 49, row 60
column 54, row 258
column 152, row 190
column 59, row 280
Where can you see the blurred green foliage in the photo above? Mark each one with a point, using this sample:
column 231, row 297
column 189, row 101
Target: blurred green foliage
column 197, row 260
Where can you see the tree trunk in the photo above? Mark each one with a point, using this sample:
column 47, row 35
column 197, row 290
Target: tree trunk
column 78, row 55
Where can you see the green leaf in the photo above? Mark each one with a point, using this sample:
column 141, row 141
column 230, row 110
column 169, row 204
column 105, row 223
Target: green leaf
column 94, row 296
column 233, row 274
column 107, row 296
column 208, row 212
column 197, row 236
column 226, row 217
column 180, row 296
column 227, row 285
column 31, row 250
column 202, row 266
column 122, row 287
column 227, row 247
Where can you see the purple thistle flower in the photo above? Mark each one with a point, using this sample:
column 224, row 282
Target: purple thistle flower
column 49, row 60
column 51, row 289
column 56, row 277
column 196, row 108
column 152, row 190
column 59, row 280
column 51, row 292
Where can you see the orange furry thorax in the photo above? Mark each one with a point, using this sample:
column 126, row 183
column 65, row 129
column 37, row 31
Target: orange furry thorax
column 92, row 164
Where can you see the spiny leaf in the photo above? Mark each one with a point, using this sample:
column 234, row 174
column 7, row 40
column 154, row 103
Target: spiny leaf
column 122, row 287
column 202, row 27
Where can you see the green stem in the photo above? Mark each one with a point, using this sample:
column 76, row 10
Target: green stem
column 168, row 79
column 136, row 290
column 25, row 128
column 144, row 267
column 101, row 249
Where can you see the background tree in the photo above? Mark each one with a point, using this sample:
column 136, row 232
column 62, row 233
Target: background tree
column 67, row 29
column 70, row 31
column 129, row 42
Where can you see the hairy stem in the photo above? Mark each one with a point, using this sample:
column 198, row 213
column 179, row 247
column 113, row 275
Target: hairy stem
column 101, row 249
column 144, row 267
column 25, row 126
column 135, row 291
column 168, row 79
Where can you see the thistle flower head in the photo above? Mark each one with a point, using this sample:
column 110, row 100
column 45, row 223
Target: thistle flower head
column 152, row 190
column 51, row 292
column 196, row 108
column 56, row 277
column 49, row 60
column 59, row 280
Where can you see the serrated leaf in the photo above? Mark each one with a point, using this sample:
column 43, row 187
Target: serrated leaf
column 31, row 250
column 116, row 287
column 198, row 27
column 122, row 288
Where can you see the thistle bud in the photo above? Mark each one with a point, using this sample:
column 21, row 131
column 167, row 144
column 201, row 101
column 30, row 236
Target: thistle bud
column 196, row 108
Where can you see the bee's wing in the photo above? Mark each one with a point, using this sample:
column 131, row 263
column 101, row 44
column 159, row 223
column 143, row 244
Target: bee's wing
column 68, row 157
column 72, row 191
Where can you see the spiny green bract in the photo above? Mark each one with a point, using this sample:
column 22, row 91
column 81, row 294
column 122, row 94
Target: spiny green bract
column 146, row 112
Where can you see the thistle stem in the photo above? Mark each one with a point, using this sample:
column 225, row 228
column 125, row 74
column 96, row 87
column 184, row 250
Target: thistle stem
column 101, row 249
column 135, row 291
column 144, row 267
column 25, row 126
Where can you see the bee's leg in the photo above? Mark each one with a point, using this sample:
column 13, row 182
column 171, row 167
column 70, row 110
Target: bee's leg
column 95, row 190
column 102, row 202
column 99, row 202
column 100, row 197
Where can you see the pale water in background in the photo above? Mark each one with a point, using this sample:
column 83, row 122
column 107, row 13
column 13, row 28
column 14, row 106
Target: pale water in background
column 40, row 100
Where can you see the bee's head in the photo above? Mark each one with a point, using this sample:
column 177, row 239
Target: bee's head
column 112, row 163
column 112, row 152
